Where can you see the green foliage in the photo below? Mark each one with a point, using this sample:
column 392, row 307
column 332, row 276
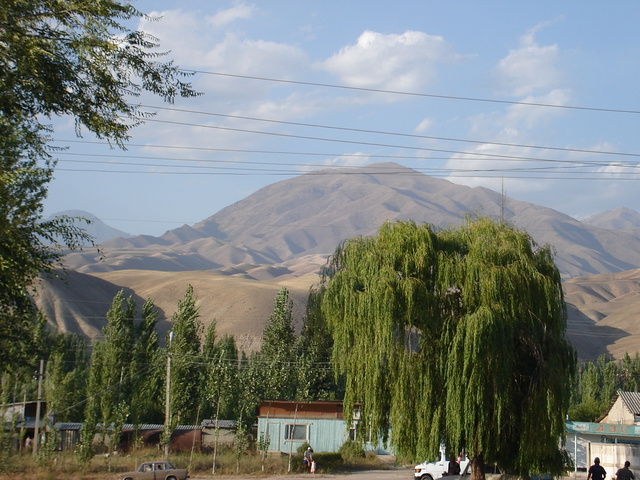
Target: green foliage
column 328, row 461
column 350, row 449
column 278, row 354
column 454, row 336
column 240, row 443
column 147, row 369
column 65, row 376
column 75, row 58
column 317, row 379
column 221, row 388
column 186, row 374
column 79, row 58
column 596, row 384
column 123, row 378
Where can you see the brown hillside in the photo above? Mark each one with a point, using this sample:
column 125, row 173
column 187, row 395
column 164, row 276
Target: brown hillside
column 604, row 310
column 604, row 314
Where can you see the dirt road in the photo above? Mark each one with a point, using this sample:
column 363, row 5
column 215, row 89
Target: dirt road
column 404, row 473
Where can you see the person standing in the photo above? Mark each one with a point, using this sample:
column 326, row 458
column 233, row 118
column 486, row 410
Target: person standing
column 596, row 471
column 625, row 472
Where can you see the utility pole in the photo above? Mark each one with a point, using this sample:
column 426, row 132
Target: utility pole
column 167, row 401
column 36, row 433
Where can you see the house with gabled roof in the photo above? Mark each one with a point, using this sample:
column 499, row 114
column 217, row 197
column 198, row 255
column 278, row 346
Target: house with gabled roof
column 624, row 409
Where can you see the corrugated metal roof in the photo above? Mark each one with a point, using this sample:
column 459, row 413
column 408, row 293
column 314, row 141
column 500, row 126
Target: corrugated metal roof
column 631, row 400
column 152, row 426
column 219, row 423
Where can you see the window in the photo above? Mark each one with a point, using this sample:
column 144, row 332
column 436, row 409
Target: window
column 295, row 432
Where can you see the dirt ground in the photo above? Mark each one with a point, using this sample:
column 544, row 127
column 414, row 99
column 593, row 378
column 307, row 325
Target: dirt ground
column 403, row 473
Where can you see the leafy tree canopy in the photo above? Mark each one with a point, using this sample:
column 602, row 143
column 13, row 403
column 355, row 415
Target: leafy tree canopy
column 454, row 336
column 60, row 57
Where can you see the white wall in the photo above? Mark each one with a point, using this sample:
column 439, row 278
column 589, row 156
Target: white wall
column 613, row 455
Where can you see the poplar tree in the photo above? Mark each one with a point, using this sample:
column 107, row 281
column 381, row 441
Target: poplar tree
column 454, row 336
column 277, row 355
column 147, row 370
column 65, row 376
column 186, row 370
column 314, row 353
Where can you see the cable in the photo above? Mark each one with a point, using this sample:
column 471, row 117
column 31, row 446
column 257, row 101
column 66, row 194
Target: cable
column 413, row 94
column 379, row 132
column 573, row 164
column 350, row 142
column 321, row 154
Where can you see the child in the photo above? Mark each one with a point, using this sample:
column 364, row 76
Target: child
column 313, row 466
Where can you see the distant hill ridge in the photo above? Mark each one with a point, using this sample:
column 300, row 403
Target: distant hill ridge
column 312, row 213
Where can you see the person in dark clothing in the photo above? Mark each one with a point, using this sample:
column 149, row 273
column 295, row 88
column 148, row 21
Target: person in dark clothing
column 454, row 467
column 625, row 473
column 596, row 471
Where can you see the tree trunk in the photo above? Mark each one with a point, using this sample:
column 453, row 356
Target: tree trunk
column 477, row 467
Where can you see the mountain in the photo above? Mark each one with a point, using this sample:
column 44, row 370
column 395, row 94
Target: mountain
column 312, row 213
column 99, row 230
column 280, row 236
column 603, row 311
column 240, row 306
column 621, row 218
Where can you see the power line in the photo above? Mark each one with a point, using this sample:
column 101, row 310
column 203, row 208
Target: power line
column 355, row 142
column 569, row 164
column 415, row 94
column 398, row 134
column 487, row 156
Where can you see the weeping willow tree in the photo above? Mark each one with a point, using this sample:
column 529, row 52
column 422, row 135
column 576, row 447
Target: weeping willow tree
column 456, row 337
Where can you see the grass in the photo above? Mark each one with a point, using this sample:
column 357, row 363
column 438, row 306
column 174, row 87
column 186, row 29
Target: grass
column 65, row 466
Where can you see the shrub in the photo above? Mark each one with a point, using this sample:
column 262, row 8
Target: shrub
column 351, row 449
column 328, row 461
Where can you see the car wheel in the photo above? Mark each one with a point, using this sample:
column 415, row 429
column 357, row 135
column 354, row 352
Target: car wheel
column 426, row 476
column 171, row 478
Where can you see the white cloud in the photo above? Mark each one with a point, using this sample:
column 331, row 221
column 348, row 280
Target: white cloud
column 529, row 68
column 356, row 159
column 404, row 62
column 423, row 126
column 239, row 11
column 528, row 116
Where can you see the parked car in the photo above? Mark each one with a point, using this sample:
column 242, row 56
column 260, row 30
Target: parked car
column 491, row 472
column 155, row 471
column 434, row 470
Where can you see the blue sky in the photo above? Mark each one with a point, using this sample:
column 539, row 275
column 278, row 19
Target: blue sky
column 464, row 76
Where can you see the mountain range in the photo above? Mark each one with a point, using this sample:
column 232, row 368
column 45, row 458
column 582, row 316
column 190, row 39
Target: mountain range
column 281, row 235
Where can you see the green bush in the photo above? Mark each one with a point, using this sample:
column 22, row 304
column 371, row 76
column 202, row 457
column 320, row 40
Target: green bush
column 328, row 461
column 351, row 449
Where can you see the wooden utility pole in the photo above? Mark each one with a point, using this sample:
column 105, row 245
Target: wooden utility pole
column 167, row 401
column 36, row 433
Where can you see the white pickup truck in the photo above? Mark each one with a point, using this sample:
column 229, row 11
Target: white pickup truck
column 437, row 469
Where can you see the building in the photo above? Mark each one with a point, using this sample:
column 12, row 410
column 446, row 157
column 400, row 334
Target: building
column 614, row 437
column 20, row 418
column 321, row 424
column 184, row 437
